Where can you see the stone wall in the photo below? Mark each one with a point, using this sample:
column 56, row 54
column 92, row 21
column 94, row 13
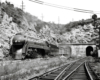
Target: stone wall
column 74, row 50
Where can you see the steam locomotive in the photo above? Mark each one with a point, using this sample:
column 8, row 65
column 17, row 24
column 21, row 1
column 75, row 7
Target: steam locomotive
column 22, row 48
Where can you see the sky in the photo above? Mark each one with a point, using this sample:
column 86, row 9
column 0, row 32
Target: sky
column 58, row 15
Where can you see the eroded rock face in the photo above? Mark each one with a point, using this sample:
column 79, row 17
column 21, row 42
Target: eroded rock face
column 8, row 29
column 84, row 34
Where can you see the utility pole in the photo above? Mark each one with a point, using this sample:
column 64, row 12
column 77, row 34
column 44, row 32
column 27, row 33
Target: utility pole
column 58, row 21
column 72, row 19
column 42, row 17
column 0, row 10
column 23, row 6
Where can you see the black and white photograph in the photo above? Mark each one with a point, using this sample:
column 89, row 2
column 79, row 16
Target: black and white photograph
column 49, row 39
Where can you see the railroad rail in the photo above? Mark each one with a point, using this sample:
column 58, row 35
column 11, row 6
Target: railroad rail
column 51, row 74
column 63, row 72
column 81, row 72
column 95, row 69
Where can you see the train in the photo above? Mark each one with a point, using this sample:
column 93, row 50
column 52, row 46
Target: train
column 23, row 49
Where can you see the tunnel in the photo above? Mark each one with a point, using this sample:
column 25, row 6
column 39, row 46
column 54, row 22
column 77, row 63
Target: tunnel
column 88, row 50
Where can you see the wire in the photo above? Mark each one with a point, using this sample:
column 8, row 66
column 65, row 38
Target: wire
column 65, row 7
column 37, row 1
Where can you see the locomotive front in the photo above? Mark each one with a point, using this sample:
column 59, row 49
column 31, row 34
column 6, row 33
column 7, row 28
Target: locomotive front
column 17, row 44
column 18, row 41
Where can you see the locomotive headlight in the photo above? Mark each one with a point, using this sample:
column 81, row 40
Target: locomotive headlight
column 18, row 41
column 15, row 41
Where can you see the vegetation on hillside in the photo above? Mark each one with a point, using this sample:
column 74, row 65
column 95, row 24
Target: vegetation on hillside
column 13, row 20
column 19, row 16
column 70, row 25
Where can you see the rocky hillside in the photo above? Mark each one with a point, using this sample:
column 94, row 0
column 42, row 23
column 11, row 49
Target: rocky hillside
column 13, row 20
column 81, row 31
column 81, row 34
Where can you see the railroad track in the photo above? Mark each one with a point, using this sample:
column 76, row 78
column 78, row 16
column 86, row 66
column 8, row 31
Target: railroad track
column 95, row 69
column 65, row 72
column 81, row 72
column 51, row 74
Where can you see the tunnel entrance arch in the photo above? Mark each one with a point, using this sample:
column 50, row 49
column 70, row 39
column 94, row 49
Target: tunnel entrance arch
column 88, row 50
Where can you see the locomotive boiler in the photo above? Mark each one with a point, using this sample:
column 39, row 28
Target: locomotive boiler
column 22, row 48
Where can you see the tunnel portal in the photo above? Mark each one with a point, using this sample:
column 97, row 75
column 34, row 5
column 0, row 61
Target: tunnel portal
column 88, row 51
